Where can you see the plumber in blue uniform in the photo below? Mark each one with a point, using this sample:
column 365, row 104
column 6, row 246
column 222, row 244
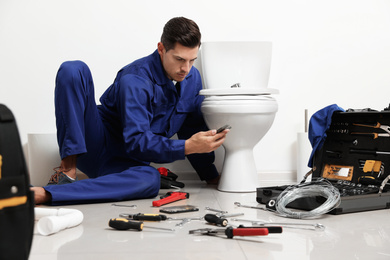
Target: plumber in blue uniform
column 114, row 143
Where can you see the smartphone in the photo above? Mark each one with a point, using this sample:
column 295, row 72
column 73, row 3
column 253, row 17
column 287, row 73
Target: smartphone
column 223, row 128
column 179, row 209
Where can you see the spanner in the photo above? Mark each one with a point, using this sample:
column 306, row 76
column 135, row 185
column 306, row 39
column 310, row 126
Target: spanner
column 184, row 220
column 224, row 213
column 317, row 226
column 238, row 204
column 216, row 210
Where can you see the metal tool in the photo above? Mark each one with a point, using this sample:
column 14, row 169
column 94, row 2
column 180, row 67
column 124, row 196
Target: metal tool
column 385, row 128
column 368, row 152
column 238, row 204
column 317, row 226
column 378, row 125
column 184, row 220
column 216, row 210
column 125, row 224
column 231, row 232
column 229, row 215
column 123, row 205
column 223, row 213
column 374, row 135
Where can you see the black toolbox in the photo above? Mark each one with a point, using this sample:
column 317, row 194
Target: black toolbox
column 355, row 158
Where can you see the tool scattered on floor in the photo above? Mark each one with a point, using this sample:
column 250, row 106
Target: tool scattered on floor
column 125, row 224
column 123, row 205
column 224, row 213
column 216, row 210
column 229, row 215
column 171, row 197
column 144, row 217
column 219, row 218
column 214, row 219
column 185, row 220
column 316, row 226
column 238, row 204
column 231, row 232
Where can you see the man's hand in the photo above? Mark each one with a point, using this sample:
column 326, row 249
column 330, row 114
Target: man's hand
column 40, row 195
column 205, row 142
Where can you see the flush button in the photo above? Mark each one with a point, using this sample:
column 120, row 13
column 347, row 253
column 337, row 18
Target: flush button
column 237, row 85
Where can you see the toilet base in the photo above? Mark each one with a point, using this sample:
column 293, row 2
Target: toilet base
column 239, row 173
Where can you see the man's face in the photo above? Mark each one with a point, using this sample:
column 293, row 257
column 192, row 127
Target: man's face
column 177, row 62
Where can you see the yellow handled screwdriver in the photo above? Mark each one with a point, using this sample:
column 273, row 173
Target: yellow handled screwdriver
column 125, row 224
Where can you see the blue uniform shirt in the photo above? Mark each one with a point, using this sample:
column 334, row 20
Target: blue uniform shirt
column 143, row 108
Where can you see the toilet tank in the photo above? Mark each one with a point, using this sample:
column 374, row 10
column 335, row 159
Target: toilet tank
column 224, row 64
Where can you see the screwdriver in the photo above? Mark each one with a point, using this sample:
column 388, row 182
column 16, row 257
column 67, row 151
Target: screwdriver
column 271, row 229
column 214, row 219
column 125, row 224
column 231, row 232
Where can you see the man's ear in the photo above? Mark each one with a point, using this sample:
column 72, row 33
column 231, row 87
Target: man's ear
column 160, row 48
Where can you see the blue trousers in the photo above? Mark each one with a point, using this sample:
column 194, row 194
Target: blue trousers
column 81, row 131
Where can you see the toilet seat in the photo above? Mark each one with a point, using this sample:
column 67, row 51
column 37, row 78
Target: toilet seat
column 238, row 91
column 239, row 97
column 243, row 104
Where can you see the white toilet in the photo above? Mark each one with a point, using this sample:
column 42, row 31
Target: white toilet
column 235, row 77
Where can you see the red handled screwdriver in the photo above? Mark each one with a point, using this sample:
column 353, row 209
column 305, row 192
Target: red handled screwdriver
column 231, row 232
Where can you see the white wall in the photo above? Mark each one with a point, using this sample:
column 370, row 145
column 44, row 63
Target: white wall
column 325, row 52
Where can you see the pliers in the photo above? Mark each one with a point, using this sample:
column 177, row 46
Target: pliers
column 378, row 125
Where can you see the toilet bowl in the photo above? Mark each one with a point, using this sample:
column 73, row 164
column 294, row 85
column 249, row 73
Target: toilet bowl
column 235, row 76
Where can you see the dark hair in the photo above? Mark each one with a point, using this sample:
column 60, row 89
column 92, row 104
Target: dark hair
column 181, row 30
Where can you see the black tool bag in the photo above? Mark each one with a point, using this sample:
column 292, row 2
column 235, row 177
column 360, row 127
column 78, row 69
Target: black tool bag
column 355, row 158
column 16, row 199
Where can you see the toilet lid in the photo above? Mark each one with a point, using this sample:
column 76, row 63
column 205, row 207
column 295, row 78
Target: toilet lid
column 238, row 91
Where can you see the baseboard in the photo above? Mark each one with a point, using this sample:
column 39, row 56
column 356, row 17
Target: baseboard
column 265, row 178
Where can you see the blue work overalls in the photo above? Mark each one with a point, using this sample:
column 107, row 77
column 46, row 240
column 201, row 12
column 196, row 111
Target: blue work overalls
column 116, row 141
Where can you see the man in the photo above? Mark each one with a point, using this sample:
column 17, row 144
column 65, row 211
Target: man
column 114, row 143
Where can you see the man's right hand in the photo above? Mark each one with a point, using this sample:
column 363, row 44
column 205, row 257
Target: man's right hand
column 40, row 195
column 205, row 142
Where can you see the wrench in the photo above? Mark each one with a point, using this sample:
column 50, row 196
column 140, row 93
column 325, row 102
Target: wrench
column 123, row 205
column 317, row 226
column 184, row 220
column 217, row 210
column 238, row 204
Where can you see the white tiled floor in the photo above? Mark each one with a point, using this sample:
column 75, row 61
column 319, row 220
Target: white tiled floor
column 363, row 235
